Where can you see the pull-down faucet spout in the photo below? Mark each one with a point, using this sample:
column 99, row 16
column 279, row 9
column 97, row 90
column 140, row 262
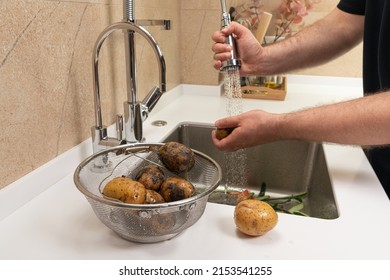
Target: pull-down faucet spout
column 135, row 111
column 233, row 62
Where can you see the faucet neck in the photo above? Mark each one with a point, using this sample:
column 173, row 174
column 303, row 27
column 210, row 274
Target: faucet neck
column 136, row 111
column 128, row 10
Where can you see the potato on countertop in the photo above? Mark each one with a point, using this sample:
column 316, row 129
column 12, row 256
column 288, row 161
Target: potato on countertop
column 254, row 217
column 126, row 190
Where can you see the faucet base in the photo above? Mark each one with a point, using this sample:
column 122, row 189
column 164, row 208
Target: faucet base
column 100, row 140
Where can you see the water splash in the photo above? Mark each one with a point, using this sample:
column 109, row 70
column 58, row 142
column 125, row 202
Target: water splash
column 232, row 91
column 235, row 162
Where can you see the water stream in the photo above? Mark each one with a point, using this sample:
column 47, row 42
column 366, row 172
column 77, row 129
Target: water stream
column 235, row 161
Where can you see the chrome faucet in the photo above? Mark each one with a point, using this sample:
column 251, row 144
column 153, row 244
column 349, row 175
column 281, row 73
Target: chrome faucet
column 233, row 63
column 135, row 111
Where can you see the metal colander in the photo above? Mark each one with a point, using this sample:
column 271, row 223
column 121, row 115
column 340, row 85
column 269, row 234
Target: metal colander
column 145, row 223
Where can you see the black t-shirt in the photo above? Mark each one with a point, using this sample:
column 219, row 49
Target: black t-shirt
column 376, row 66
column 376, row 48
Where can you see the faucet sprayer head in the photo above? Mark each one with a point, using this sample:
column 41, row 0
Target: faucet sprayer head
column 233, row 63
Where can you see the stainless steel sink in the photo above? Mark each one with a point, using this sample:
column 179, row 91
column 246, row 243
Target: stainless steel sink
column 285, row 167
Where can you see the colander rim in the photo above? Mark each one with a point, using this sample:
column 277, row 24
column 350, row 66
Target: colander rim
column 120, row 204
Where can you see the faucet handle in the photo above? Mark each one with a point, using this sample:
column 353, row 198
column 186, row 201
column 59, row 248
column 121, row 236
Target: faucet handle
column 151, row 99
column 139, row 109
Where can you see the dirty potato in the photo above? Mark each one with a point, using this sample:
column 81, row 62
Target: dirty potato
column 176, row 157
column 175, row 188
column 254, row 217
column 162, row 223
column 153, row 197
column 221, row 133
column 126, row 190
column 151, row 176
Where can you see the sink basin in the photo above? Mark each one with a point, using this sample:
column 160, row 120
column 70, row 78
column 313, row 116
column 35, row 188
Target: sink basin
column 285, row 168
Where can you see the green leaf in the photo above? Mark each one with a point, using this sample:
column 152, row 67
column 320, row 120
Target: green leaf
column 262, row 189
column 278, row 203
column 296, row 208
column 299, row 213
column 263, row 198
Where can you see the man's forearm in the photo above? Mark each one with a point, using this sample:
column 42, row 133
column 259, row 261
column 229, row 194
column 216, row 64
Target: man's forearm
column 321, row 42
column 364, row 121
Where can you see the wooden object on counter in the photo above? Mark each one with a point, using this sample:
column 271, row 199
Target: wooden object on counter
column 263, row 92
column 262, row 27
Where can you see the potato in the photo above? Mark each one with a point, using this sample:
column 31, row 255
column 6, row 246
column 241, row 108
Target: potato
column 153, row 197
column 126, row 190
column 162, row 223
column 175, row 188
column 176, row 157
column 221, row 133
column 151, row 176
column 254, row 217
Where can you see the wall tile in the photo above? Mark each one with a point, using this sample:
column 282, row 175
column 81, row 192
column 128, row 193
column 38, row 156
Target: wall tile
column 196, row 46
column 46, row 73
column 34, row 75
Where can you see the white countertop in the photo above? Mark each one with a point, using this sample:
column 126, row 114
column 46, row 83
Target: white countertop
column 44, row 216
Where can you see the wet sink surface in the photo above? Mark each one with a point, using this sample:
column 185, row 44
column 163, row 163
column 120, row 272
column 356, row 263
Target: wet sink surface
column 285, row 167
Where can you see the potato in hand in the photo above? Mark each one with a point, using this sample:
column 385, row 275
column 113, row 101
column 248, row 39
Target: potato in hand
column 221, row 133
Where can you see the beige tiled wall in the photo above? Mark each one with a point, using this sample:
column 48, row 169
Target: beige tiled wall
column 46, row 96
column 350, row 64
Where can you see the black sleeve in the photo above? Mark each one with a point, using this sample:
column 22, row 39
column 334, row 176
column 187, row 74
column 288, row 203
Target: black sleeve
column 356, row 7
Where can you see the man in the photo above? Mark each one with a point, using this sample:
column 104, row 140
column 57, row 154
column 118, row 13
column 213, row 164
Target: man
column 364, row 121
